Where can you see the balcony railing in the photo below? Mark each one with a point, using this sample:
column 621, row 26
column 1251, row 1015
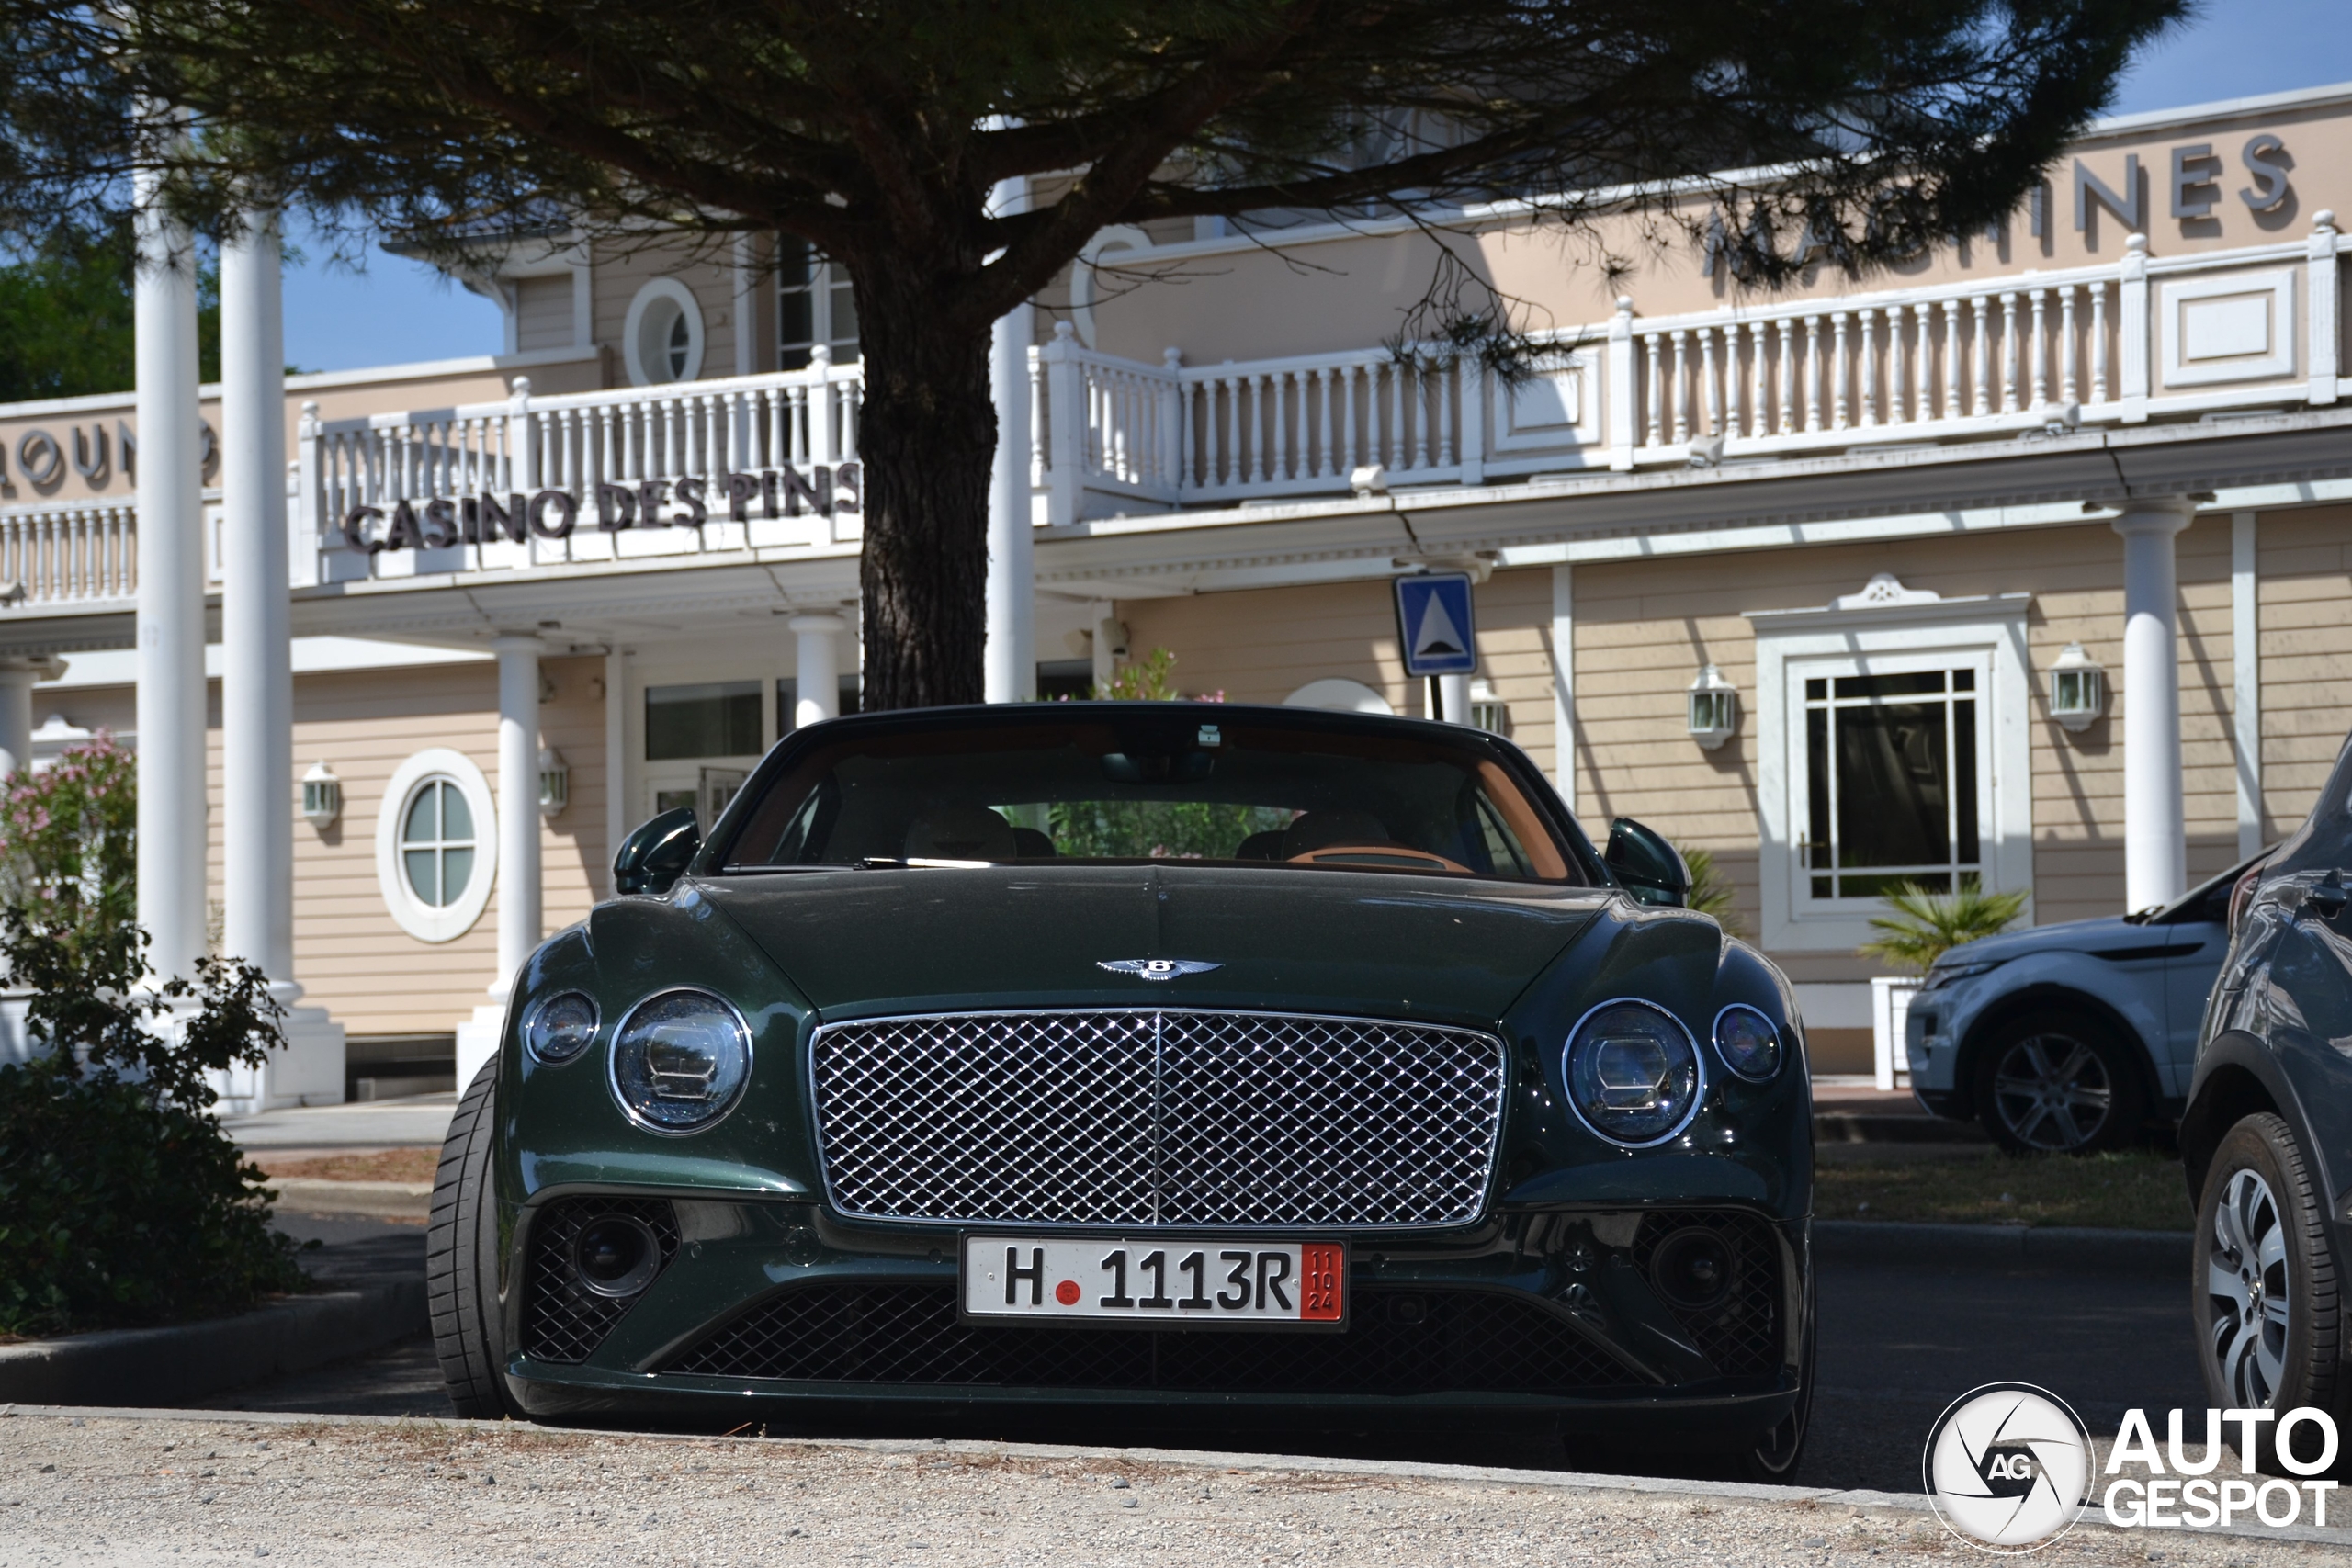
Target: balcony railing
column 2112, row 344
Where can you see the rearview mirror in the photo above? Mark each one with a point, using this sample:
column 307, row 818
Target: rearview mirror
column 1648, row 867
column 657, row 853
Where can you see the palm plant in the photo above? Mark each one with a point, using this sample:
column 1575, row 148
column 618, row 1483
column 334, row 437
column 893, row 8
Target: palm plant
column 1922, row 925
column 1711, row 893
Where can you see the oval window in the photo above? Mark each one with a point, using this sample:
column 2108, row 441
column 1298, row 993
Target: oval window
column 681, row 344
column 438, row 842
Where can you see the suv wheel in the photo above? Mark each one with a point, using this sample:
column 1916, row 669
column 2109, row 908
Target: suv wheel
column 2058, row 1083
column 462, row 1257
column 2266, row 1300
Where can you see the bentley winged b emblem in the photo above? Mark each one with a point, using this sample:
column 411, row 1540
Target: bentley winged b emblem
column 1157, row 968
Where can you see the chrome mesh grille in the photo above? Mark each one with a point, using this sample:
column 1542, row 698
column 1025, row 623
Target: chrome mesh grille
column 1166, row 1118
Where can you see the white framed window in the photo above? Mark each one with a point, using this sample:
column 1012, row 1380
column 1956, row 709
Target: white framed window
column 814, row 305
column 1892, row 746
column 663, row 338
column 436, row 844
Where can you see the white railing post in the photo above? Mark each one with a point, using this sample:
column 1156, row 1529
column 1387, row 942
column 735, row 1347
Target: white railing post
column 1620, row 386
column 1470, row 387
column 1171, row 420
column 1066, row 441
column 306, row 522
column 821, row 406
column 2324, row 353
column 2131, row 327
column 522, row 443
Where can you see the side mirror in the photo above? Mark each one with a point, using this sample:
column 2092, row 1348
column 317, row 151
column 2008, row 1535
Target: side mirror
column 1650, row 868
column 657, row 853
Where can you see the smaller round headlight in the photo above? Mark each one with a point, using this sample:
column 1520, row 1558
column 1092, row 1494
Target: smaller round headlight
column 680, row 1061
column 560, row 1027
column 1747, row 1042
column 1632, row 1072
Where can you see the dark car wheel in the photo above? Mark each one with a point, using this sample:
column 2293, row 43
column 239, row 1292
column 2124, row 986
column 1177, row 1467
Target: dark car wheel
column 462, row 1257
column 2266, row 1301
column 2058, row 1083
column 1774, row 1460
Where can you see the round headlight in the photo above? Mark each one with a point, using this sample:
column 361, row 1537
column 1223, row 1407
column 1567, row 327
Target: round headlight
column 1633, row 1073
column 680, row 1061
column 560, row 1027
column 1747, row 1042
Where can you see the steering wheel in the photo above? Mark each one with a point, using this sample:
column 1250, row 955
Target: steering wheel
column 1381, row 854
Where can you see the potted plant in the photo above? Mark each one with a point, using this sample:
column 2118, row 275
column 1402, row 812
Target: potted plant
column 1914, row 932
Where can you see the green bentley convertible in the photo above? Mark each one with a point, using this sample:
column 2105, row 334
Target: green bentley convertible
column 1156, row 1054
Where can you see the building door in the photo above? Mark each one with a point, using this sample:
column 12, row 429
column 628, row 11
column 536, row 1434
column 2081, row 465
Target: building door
column 702, row 741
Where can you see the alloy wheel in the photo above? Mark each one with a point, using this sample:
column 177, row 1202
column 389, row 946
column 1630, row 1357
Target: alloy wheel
column 2052, row 1092
column 2253, row 1300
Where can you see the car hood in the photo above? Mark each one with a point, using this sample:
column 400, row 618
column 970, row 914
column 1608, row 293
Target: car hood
column 2110, row 934
column 873, row 942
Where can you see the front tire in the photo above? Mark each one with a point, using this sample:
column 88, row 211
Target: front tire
column 1773, row 1460
column 462, row 1257
column 2058, row 1083
column 2266, row 1294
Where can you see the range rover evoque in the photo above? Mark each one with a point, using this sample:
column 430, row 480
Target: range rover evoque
column 1172, row 1055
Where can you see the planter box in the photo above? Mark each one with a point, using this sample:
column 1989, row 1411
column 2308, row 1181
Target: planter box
column 1890, row 1008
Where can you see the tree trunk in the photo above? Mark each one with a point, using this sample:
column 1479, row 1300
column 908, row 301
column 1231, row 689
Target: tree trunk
column 927, row 438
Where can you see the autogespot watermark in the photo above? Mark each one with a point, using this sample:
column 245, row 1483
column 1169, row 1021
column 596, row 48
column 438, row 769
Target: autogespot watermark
column 2010, row 1468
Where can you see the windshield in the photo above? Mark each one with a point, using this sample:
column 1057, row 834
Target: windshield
column 1169, row 785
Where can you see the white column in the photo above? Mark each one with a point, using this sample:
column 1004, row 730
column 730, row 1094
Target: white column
column 2246, row 666
column 171, row 702
column 518, row 806
column 1564, row 683
column 17, row 678
column 2155, row 852
column 1010, row 665
column 819, row 674
column 257, row 666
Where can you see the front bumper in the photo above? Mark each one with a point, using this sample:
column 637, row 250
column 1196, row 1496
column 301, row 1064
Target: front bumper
column 1549, row 1311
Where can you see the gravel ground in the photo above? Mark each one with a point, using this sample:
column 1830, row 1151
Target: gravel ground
column 144, row 1488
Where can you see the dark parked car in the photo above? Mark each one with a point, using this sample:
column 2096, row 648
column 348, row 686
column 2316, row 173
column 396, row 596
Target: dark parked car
column 2268, row 1135
column 1250, row 1061
column 2071, row 1038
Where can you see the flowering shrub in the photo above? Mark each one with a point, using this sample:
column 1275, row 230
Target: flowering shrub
column 67, row 837
column 121, row 1200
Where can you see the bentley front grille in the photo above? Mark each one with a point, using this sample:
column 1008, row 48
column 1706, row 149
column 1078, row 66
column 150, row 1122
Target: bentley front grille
column 1158, row 1118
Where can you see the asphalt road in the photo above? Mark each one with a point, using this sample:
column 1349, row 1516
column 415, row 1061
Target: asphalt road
column 1898, row 1344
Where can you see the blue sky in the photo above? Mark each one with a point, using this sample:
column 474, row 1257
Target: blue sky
column 396, row 311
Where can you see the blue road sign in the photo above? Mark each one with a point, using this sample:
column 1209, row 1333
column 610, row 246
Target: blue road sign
column 1433, row 624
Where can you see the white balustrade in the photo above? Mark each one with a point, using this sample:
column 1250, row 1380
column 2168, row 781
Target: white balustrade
column 71, row 553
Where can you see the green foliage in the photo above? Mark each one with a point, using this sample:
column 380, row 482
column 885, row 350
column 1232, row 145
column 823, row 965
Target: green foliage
column 1923, row 924
column 1711, row 893
column 65, row 318
column 1151, row 679
column 1158, row 830
column 122, row 1200
column 116, row 1209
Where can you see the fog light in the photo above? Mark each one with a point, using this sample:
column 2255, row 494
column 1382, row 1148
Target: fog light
column 1692, row 1270
column 616, row 1255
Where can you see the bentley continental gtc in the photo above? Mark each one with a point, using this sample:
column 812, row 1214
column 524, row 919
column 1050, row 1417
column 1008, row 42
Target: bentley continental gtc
column 1183, row 1058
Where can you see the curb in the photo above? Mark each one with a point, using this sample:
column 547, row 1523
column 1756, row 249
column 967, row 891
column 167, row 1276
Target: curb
column 2074, row 1249
column 1870, row 1127
column 189, row 1361
column 376, row 1199
column 1909, row 1505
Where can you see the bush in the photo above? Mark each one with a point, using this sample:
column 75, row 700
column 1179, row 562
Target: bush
column 122, row 1200
column 1922, row 925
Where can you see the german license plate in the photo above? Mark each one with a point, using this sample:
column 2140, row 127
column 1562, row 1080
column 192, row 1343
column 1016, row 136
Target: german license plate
column 1156, row 1282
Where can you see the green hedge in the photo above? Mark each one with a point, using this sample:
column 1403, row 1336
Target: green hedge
column 116, row 1210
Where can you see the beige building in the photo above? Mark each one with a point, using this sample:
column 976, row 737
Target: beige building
column 1902, row 521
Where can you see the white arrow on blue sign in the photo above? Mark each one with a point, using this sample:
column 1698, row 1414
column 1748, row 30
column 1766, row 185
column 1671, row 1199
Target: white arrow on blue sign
column 1433, row 623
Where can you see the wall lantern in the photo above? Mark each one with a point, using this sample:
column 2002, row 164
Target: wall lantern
column 1487, row 710
column 555, row 783
column 1714, row 708
column 2077, row 688
column 322, row 797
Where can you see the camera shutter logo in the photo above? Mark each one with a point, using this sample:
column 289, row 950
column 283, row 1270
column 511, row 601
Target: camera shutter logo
column 2009, row 1467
